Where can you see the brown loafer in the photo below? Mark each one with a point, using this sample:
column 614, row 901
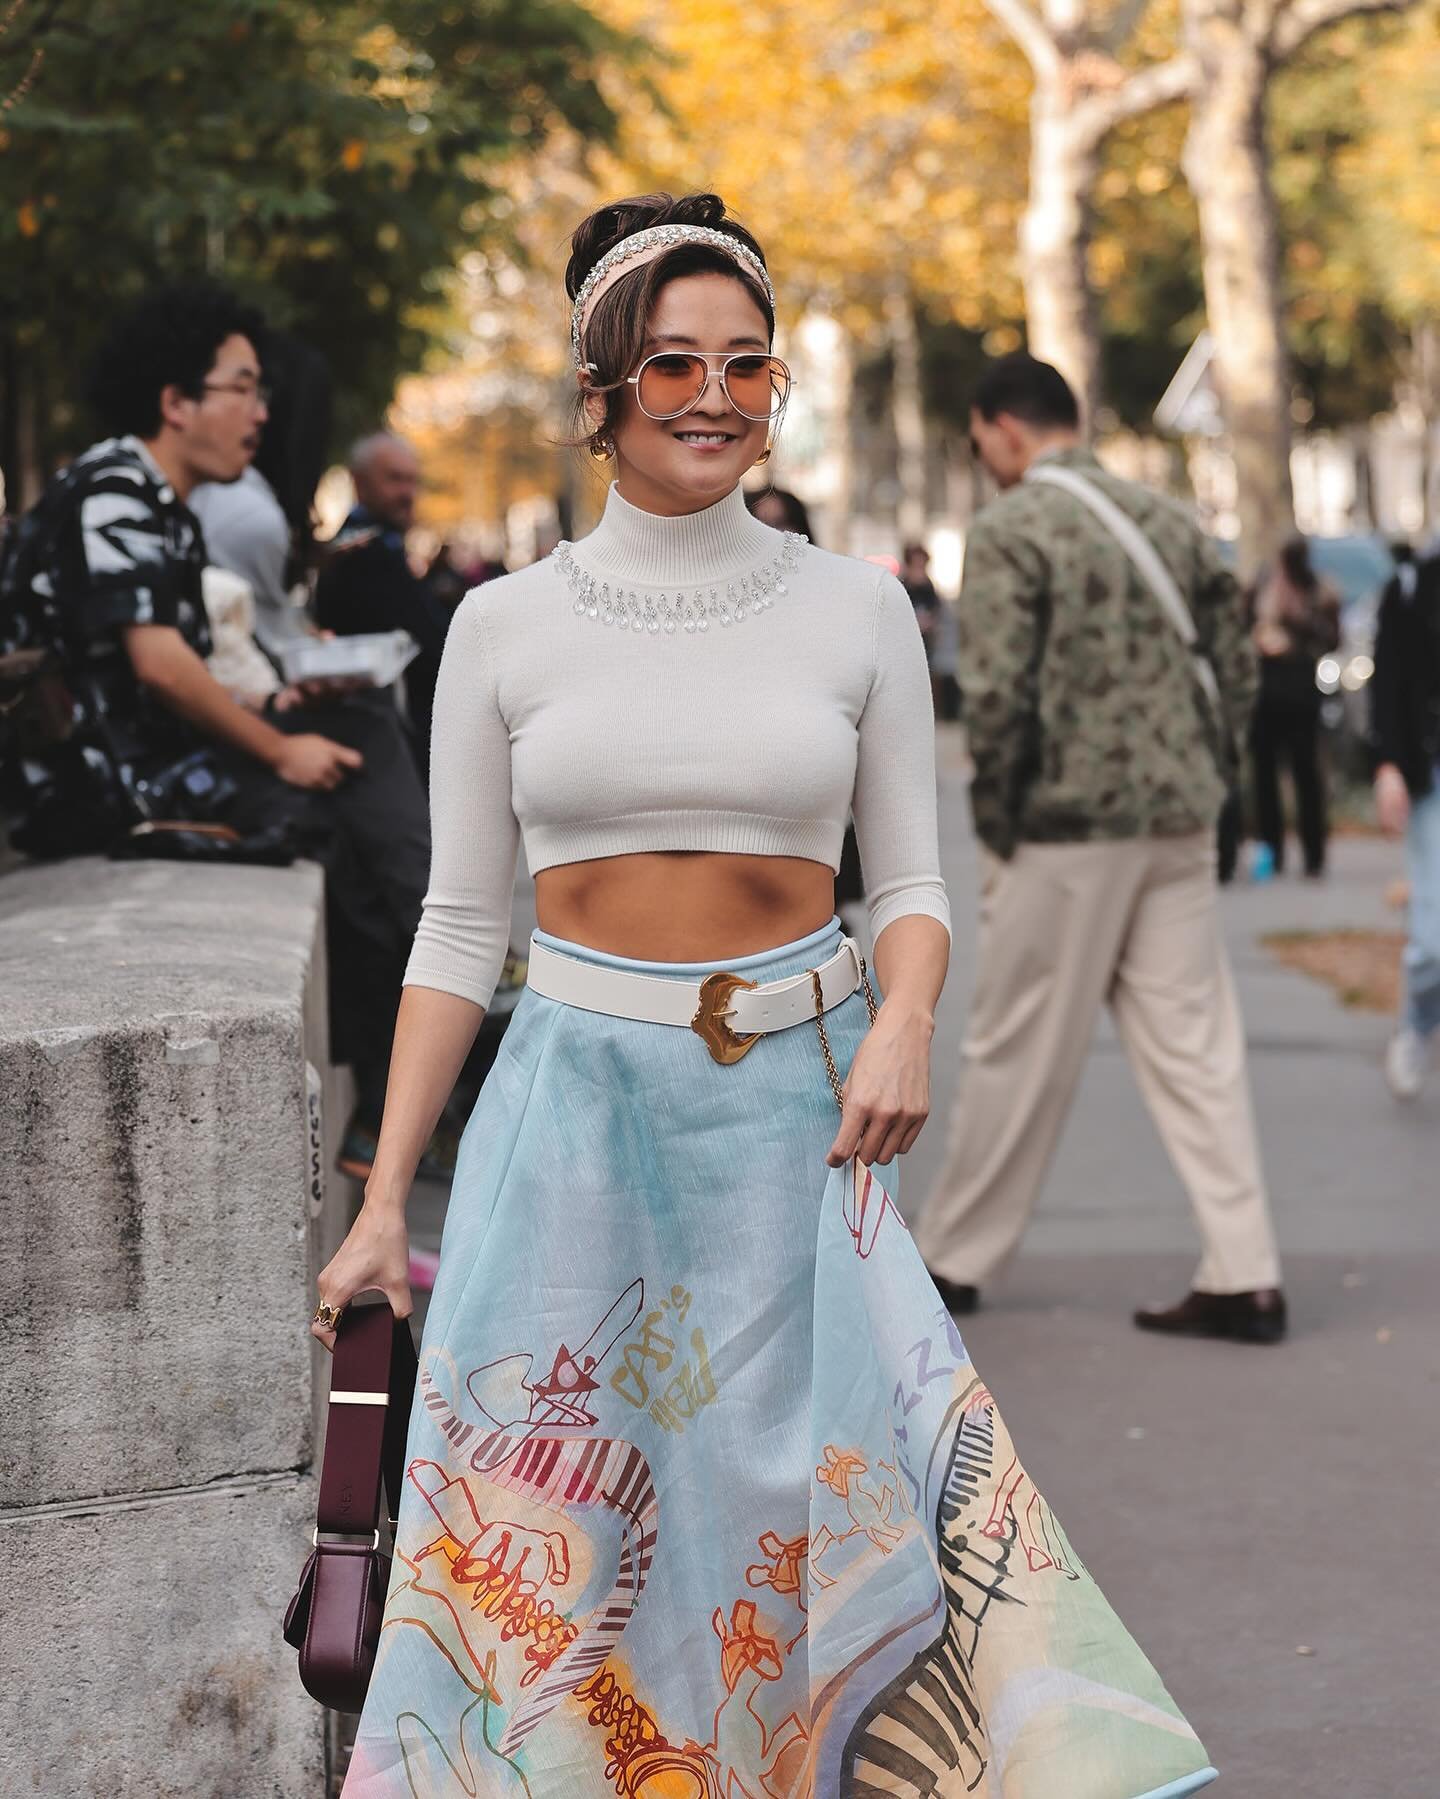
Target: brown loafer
column 1258, row 1317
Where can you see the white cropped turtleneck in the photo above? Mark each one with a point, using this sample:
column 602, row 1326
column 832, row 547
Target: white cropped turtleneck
column 695, row 683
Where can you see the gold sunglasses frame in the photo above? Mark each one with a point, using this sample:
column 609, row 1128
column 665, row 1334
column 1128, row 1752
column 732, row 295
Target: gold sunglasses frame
column 664, row 418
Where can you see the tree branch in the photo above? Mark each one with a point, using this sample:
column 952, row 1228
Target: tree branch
column 1029, row 32
column 1159, row 84
column 1154, row 86
column 1298, row 22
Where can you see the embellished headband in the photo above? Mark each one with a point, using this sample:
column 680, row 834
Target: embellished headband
column 645, row 246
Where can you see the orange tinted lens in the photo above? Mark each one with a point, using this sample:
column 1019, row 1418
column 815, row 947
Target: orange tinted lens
column 668, row 384
column 757, row 385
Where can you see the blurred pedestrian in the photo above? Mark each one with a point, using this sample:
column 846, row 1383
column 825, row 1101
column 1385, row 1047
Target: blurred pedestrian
column 114, row 563
column 366, row 582
column 1296, row 622
column 1405, row 735
column 449, row 581
column 780, row 509
column 1098, row 740
column 248, row 535
column 915, row 579
column 261, row 527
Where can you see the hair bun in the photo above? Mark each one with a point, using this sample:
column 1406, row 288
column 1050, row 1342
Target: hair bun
column 610, row 225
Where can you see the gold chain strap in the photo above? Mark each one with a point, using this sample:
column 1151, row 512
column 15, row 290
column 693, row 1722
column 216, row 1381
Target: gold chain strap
column 870, row 1007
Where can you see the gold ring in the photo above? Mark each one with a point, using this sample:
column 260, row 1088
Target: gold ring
column 327, row 1316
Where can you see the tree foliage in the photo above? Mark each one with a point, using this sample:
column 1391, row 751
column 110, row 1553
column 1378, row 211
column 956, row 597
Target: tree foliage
column 856, row 142
column 340, row 164
column 1389, row 168
column 331, row 161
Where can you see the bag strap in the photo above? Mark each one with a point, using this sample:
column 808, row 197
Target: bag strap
column 1148, row 562
column 372, row 1388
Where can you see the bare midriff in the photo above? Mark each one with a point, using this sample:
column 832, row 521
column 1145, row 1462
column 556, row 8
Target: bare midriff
column 685, row 905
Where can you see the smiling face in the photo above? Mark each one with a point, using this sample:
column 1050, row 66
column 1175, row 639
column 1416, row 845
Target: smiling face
column 674, row 466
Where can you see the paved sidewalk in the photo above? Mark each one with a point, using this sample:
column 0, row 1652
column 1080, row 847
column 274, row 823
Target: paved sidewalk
column 1259, row 1517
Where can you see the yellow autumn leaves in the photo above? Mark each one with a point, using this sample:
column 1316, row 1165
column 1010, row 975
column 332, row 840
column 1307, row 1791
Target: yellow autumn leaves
column 851, row 139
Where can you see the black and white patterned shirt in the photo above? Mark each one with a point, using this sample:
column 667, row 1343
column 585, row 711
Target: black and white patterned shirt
column 128, row 552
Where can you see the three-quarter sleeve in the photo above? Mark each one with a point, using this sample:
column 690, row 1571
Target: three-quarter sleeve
column 465, row 928
column 895, row 803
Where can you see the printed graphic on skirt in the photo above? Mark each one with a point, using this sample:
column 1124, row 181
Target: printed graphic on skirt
column 926, row 1630
column 705, row 1499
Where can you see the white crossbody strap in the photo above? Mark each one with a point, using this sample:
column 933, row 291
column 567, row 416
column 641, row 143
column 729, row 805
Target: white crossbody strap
column 1149, row 565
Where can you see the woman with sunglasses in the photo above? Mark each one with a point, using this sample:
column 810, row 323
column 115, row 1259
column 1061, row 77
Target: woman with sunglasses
column 704, row 1498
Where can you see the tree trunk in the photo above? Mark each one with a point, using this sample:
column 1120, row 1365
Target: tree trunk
column 1227, row 169
column 908, row 407
column 1055, row 243
column 843, row 444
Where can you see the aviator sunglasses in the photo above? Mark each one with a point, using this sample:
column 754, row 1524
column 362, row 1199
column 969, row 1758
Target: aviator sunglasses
column 672, row 382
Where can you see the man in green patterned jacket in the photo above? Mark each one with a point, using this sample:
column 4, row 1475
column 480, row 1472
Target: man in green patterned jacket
column 1103, row 692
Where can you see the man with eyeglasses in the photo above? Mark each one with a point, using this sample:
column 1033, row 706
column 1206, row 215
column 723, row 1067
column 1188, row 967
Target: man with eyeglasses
column 111, row 576
column 179, row 385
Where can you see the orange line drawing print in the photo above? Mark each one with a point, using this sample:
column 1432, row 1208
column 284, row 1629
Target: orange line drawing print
column 748, row 1758
column 870, row 1509
column 783, row 1571
column 604, row 1477
column 1020, row 1510
column 507, row 1567
column 640, row 1761
column 487, row 1549
column 866, row 1207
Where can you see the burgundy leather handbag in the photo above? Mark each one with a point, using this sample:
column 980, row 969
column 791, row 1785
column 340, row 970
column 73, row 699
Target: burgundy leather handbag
column 334, row 1618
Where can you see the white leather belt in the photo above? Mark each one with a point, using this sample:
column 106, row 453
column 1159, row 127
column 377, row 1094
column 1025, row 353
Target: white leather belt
column 727, row 1011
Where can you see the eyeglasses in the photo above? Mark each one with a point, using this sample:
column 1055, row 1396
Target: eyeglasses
column 673, row 382
column 258, row 391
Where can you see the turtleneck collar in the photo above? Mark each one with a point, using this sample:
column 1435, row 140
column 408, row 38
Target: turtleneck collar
column 723, row 540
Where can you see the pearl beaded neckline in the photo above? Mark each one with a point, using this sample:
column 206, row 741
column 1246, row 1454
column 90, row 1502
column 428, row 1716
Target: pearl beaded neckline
column 691, row 608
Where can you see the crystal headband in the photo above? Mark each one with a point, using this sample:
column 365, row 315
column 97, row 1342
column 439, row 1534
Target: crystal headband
column 645, row 246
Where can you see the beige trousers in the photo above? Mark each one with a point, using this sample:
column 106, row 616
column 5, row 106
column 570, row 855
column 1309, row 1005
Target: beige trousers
column 1064, row 927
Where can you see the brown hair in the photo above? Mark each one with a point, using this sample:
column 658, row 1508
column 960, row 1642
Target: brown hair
column 615, row 333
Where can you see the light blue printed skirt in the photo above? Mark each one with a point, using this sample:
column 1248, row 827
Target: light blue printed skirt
column 705, row 1499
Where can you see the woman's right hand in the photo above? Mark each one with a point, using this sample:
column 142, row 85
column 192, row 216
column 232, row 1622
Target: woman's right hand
column 376, row 1254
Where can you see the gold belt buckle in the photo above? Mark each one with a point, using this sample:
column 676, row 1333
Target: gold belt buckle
column 711, row 1020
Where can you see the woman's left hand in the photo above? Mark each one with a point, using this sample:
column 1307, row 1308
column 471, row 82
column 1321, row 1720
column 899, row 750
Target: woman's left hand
column 887, row 1094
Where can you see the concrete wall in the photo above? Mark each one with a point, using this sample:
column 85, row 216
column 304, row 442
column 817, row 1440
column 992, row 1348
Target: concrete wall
column 162, row 1060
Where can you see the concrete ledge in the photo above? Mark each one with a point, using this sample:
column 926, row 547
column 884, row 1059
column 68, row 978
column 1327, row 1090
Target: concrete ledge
column 145, row 1676
column 165, row 1140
